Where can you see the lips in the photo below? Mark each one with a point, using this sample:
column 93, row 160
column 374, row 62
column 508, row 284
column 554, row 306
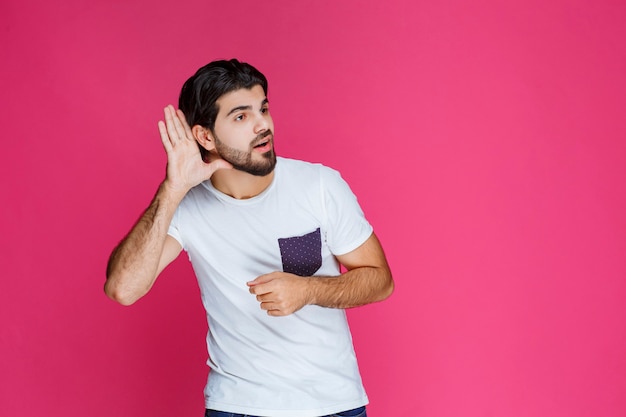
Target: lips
column 264, row 141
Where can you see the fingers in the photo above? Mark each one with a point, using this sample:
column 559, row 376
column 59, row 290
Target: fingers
column 276, row 309
column 181, row 134
column 278, row 293
column 168, row 133
column 275, row 312
column 268, row 300
column 186, row 167
column 262, row 279
column 264, row 298
column 183, row 122
column 257, row 290
column 175, row 127
column 165, row 137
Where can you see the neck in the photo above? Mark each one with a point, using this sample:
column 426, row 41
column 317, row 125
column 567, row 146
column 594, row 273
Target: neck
column 239, row 184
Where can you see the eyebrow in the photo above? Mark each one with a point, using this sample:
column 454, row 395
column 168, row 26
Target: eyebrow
column 240, row 108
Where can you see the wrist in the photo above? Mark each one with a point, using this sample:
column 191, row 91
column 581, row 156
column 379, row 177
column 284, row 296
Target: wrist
column 314, row 289
column 172, row 192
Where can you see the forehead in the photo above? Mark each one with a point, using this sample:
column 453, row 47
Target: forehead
column 243, row 97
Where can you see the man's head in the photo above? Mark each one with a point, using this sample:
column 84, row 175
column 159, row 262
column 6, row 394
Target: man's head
column 200, row 94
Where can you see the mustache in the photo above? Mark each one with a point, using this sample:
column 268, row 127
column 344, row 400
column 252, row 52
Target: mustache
column 260, row 138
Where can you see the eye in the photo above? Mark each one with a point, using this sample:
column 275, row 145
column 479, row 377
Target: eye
column 265, row 110
column 239, row 117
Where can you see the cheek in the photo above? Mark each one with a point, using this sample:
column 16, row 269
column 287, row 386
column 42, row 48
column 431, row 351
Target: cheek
column 233, row 136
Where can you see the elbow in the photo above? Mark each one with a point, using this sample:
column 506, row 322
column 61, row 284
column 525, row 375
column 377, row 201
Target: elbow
column 121, row 299
column 119, row 294
column 387, row 287
column 388, row 290
column 124, row 286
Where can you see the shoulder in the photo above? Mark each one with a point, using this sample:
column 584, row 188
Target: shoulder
column 303, row 170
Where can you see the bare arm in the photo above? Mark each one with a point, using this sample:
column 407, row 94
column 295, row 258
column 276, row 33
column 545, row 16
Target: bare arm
column 367, row 280
column 147, row 249
column 141, row 256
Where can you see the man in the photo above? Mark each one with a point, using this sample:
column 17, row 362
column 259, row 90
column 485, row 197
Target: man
column 265, row 236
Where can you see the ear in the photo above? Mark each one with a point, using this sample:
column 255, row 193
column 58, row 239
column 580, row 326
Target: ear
column 203, row 136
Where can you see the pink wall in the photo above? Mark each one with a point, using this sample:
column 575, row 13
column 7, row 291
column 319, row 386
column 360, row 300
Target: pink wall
column 486, row 142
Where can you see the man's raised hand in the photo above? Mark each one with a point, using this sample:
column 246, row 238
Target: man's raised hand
column 185, row 167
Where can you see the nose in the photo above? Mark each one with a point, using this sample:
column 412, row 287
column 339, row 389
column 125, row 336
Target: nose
column 261, row 123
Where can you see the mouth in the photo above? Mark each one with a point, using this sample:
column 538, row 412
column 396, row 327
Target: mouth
column 265, row 143
column 262, row 144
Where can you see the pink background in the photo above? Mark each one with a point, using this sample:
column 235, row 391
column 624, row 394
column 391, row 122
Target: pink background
column 486, row 143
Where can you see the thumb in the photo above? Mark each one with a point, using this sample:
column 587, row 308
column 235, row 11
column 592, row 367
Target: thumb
column 217, row 165
column 259, row 280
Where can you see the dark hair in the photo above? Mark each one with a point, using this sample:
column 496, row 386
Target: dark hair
column 199, row 95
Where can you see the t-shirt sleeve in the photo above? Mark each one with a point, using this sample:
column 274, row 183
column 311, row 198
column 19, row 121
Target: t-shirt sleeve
column 174, row 230
column 347, row 227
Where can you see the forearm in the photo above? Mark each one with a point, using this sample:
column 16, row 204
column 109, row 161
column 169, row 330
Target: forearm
column 134, row 263
column 367, row 280
column 359, row 286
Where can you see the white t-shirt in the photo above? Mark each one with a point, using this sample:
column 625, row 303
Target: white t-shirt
column 301, row 365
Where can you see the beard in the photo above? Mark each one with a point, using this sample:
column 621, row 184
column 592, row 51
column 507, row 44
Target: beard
column 243, row 160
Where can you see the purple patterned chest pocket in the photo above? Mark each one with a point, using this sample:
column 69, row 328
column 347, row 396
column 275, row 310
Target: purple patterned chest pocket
column 302, row 255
